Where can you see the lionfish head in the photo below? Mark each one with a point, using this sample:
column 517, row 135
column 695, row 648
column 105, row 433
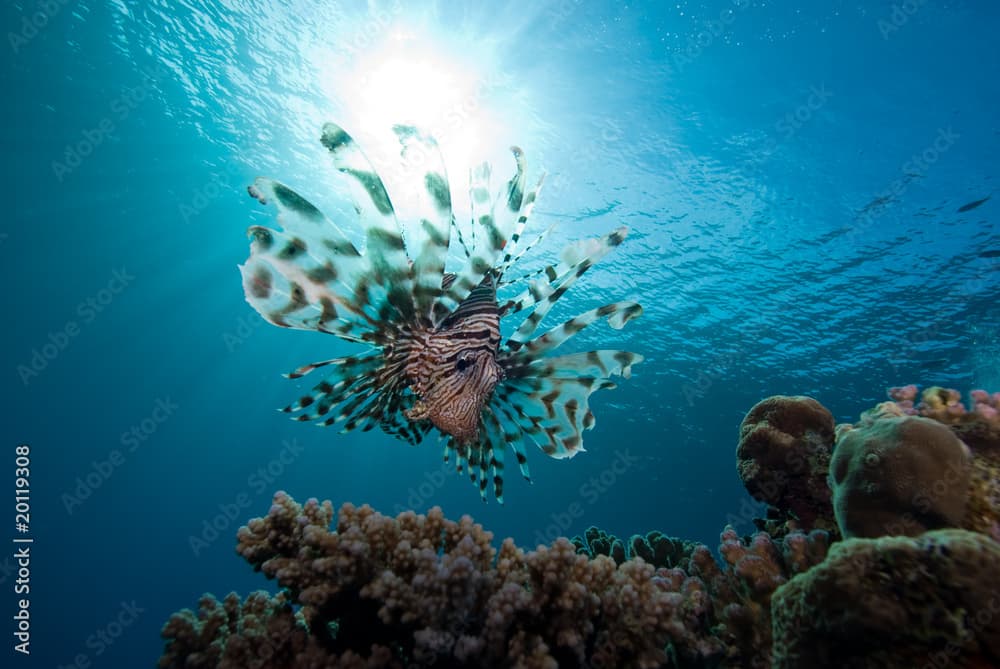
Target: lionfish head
column 453, row 385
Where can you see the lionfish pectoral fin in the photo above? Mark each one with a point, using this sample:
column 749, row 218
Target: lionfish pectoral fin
column 305, row 276
column 561, row 387
column 348, row 378
column 617, row 313
column 577, row 259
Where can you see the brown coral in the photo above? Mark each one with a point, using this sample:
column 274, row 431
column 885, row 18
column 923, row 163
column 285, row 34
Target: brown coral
column 261, row 632
column 894, row 602
column 428, row 591
column 899, row 475
column 783, row 456
column 977, row 426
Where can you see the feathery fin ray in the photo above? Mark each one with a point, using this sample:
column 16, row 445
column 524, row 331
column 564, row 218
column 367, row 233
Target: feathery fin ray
column 429, row 330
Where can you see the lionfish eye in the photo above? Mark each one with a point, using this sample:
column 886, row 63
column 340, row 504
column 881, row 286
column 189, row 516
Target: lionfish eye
column 462, row 364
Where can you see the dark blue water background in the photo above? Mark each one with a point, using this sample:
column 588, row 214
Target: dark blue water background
column 792, row 179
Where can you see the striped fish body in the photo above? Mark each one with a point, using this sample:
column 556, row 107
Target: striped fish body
column 453, row 369
column 434, row 358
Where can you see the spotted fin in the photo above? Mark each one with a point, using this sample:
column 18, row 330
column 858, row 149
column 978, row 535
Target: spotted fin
column 617, row 313
column 385, row 248
column 428, row 241
column 305, row 276
column 552, row 412
column 542, row 295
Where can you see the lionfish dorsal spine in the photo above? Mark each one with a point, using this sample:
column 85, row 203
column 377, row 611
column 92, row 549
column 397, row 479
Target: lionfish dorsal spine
column 494, row 220
column 430, row 234
column 304, row 275
column 390, row 282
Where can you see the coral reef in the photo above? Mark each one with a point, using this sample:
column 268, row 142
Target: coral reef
column 260, row 632
column 933, row 600
column 655, row 547
column 421, row 590
column 783, row 457
column 726, row 610
column 978, row 427
column 899, row 475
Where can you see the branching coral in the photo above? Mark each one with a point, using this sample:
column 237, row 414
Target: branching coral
column 436, row 593
column 654, row 547
column 422, row 590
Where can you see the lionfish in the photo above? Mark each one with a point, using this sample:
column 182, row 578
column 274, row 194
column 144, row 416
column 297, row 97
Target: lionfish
column 435, row 358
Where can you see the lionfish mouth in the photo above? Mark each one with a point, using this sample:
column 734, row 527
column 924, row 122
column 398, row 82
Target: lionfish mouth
column 435, row 358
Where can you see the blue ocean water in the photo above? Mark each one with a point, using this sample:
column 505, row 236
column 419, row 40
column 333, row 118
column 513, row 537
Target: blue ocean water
column 800, row 185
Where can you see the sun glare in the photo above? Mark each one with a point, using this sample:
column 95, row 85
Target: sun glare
column 440, row 86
